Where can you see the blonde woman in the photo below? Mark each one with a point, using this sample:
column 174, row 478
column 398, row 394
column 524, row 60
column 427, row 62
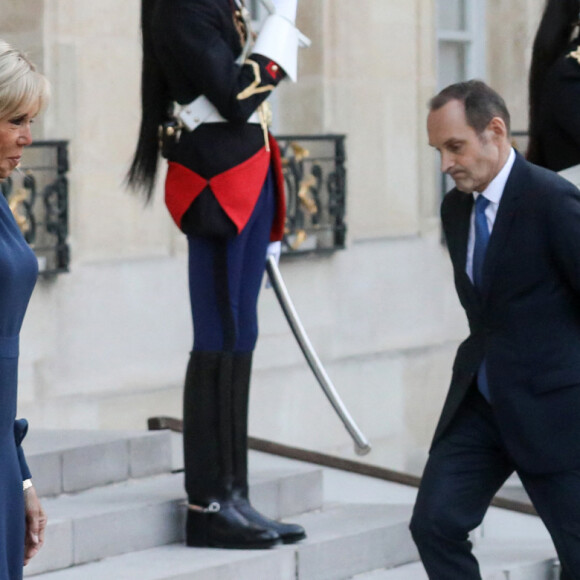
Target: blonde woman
column 23, row 93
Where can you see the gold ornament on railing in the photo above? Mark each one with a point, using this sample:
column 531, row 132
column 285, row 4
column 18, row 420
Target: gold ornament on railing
column 300, row 238
column 305, row 196
column 300, row 153
column 15, row 202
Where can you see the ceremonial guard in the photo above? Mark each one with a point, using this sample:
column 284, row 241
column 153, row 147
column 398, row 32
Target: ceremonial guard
column 554, row 88
column 204, row 85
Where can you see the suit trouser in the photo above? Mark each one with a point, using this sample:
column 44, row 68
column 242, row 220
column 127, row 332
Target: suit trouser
column 466, row 468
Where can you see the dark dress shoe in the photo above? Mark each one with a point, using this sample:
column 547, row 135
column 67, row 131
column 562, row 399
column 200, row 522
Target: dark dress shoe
column 227, row 528
column 289, row 533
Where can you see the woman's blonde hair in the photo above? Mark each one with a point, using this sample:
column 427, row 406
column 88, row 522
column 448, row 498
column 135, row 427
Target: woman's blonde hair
column 21, row 85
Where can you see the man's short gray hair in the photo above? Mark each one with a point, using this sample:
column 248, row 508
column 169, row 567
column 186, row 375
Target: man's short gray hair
column 481, row 104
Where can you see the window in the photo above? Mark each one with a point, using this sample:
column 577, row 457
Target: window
column 460, row 38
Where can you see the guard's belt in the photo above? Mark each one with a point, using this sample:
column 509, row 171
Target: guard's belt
column 202, row 110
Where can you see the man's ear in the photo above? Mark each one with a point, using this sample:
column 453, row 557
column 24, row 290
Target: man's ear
column 497, row 128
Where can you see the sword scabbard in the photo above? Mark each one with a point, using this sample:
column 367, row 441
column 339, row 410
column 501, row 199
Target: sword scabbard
column 362, row 446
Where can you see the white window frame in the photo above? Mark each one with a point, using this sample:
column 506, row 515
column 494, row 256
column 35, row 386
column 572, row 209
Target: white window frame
column 473, row 39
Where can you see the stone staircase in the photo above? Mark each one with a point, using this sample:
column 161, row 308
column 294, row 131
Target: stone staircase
column 116, row 512
column 535, row 561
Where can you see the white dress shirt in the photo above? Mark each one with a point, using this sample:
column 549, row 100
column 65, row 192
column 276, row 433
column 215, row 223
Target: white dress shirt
column 493, row 192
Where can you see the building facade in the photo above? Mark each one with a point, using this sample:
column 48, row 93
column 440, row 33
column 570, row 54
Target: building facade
column 105, row 346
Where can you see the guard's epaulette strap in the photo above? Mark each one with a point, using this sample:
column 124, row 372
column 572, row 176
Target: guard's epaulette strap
column 575, row 54
column 266, row 75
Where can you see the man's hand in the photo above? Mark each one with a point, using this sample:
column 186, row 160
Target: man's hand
column 35, row 524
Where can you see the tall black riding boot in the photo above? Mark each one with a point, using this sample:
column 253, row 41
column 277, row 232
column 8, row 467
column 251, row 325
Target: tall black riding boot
column 242, row 368
column 212, row 518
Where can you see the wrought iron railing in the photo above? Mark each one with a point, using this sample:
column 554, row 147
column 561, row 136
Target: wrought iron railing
column 37, row 193
column 315, row 179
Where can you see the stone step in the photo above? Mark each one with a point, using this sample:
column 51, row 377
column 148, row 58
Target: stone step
column 343, row 540
column 143, row 513
column 498, row 561
column 176, row 562
column 281, row 487
column 353, row 538
column 75, row 460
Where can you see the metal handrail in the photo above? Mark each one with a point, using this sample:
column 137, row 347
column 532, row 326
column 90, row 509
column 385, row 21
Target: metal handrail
column 334, row 462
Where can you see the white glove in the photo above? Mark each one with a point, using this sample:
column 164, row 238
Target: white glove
column 279, row 38
column 287, row 9
column 274, row 249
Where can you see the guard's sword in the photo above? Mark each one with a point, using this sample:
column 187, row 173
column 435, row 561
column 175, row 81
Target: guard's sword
column 361, row 444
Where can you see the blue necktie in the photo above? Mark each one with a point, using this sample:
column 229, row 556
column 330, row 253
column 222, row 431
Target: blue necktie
column 481, row 239
column 479, row 249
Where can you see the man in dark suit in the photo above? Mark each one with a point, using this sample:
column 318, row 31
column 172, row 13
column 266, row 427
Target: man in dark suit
column 513, row 233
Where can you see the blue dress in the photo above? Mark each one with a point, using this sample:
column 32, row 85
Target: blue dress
column 18, row 274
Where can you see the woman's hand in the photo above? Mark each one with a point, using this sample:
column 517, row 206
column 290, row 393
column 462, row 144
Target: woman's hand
column 35, row 524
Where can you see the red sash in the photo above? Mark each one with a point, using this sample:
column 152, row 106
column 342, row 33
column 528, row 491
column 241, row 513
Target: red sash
column 236, row 190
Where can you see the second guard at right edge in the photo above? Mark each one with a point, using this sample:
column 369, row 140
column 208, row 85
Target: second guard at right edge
column 204, row 84
column 554, row 88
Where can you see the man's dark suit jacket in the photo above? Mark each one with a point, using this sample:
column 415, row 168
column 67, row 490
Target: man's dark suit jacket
column 526, row 320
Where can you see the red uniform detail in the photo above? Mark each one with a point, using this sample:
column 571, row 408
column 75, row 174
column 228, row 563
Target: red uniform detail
column 182, row 186
column 274, row 70
column 237, row 189
column 277, row 232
